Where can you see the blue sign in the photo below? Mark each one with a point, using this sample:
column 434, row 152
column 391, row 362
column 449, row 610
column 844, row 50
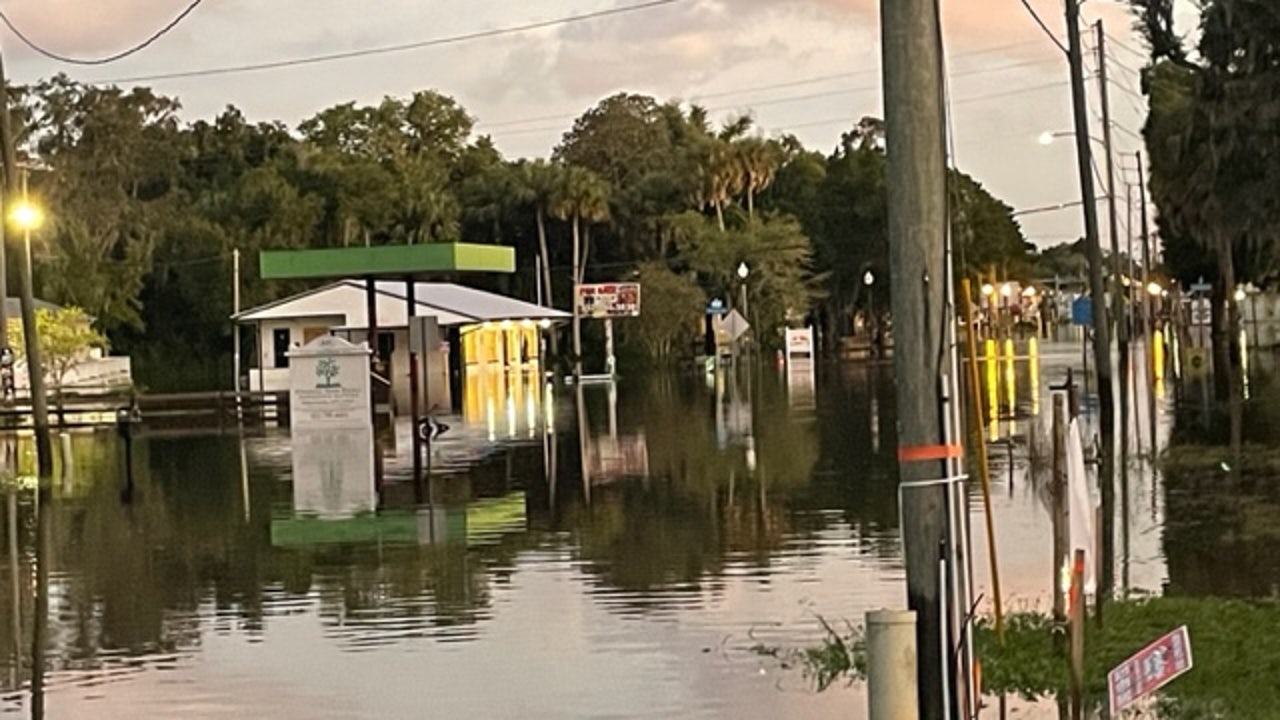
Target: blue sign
column 717, row 307
column 1082, row 311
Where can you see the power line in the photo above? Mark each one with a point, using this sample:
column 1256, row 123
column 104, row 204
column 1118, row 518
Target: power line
column 1121, row 44
column 1036, row 16
column 102, row 60
column 778, row 86
column 828, row 121
column 388, row 49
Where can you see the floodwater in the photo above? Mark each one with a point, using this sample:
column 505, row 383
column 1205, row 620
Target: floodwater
column 622, row 573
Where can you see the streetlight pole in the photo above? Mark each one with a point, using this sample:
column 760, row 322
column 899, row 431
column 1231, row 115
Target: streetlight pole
column 869, row 280
column 28, row 217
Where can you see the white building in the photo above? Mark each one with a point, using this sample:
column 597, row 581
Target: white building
column 497, row 338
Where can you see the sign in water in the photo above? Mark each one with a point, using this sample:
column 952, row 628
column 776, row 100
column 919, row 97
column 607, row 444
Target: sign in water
column 1150, row 669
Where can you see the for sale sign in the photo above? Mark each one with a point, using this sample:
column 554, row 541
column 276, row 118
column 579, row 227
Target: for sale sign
column 1150, row 669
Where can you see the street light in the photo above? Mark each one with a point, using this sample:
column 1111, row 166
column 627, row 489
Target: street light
column 26, row 216
column 743, row 272
column 1154, row 289
column 1047, row 137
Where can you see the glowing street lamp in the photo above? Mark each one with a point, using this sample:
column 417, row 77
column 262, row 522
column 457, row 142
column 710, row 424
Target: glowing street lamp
column 26, row 216
column 1154, row 289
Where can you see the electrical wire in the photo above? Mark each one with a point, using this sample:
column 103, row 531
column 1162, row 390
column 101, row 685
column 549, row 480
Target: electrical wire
column 1124, row 46
column 1036, row 16
column 774, row 86
column 813, row 123
column 389, row 49
column 102, row 60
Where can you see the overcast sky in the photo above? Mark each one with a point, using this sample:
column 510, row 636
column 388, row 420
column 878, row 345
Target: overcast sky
column 1009, row 83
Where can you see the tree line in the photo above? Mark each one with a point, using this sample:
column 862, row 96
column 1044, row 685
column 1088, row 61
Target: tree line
column 145, row 211
column 1213, row 136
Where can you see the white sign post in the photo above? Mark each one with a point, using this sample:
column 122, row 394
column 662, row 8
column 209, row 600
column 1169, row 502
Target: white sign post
column 331, row 421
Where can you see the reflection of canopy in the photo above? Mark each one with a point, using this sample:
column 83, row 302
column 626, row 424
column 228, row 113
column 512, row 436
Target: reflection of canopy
column 479, row 523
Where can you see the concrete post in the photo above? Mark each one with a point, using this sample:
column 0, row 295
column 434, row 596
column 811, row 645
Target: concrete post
column 892, row 691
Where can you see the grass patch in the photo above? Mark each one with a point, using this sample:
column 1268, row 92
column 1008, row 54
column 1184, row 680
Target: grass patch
column 1237, row 656
column 1234, row 645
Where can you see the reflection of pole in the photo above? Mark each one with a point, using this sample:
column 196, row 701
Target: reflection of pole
column 610, row 362
column 613, row 410
column 582, row 439
column 41, row 620
column 15, row 585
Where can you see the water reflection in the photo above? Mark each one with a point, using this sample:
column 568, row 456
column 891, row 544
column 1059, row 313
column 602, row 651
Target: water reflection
column 646, row 543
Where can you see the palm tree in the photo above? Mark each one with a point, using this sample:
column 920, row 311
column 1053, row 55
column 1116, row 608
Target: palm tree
column 758, row 161
column 540, row 181
column 582, row 198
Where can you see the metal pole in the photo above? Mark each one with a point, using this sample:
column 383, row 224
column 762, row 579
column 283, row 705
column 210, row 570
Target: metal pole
column 235, row 325
column 917, row 201
column 35, row 364
column 1105, row 481
column 415, row 406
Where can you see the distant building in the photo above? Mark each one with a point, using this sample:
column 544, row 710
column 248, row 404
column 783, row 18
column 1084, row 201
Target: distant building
column 489, row 342
column 94, row 371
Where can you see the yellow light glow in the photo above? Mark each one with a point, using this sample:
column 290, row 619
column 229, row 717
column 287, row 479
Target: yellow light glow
column 988, row 289
column 993, row 401
column 1154, row 289
column 1006, row 289
column 26, row 216
column 545, row 324
column 1029, row 292
column 1239, row 294
column 1157, row 354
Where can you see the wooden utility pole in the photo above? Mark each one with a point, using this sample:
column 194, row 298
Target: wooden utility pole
column 1097, row 288
column 1106, row 566
column 35, row 367
column 916, row 179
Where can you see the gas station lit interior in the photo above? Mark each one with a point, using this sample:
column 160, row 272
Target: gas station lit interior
column 503, row 387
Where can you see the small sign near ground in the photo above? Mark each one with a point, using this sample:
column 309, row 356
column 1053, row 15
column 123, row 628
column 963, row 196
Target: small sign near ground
column 1150, row 669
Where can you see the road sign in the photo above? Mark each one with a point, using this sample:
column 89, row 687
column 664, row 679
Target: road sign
column 1082, row 311
column 735, row 325
column 717, row 307
column 608, row 300
column 1150, row 669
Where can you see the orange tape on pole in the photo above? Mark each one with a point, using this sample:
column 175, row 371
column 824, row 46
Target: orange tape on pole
column 926, row 453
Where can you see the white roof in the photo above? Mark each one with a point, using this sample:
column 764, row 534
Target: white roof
column 343, row 304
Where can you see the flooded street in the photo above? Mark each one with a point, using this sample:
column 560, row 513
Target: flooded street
column 627, row 576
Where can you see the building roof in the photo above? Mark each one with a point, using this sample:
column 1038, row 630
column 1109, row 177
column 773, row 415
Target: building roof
column 343, row 304
column 13, row 308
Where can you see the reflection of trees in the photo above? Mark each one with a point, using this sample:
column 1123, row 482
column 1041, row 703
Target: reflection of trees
column 1219, row 540
column 145, row 579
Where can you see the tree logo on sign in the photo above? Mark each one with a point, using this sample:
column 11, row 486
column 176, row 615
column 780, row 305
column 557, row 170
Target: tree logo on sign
column 327, row 370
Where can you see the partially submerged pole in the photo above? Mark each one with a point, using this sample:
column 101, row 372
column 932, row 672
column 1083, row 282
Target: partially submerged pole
column 917, row 200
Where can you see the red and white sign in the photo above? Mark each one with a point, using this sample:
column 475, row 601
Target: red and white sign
column 799, row 342
column 608, row 300
column 1150, row 669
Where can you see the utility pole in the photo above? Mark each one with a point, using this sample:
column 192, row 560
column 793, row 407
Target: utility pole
column 1097, row 289
column 1146, row 247
column 235, row 325
column 917, row 197
column 1107, row 562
